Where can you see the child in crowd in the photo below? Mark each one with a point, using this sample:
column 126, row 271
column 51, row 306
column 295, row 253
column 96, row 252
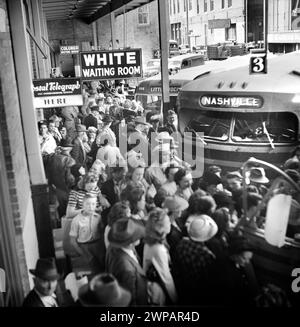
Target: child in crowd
column 85, row 235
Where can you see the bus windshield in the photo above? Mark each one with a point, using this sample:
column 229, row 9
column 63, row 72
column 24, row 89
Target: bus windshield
column 277, row 127
column 214, row 125
column 153, row 102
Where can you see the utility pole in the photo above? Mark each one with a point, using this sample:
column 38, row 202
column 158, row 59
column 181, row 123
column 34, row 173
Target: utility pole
column 266, row 25
column 187, row 22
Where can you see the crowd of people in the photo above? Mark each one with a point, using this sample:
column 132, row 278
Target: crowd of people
column 139, row 219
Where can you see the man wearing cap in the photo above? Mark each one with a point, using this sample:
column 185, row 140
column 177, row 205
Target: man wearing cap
column 106, row 133
column 122, row 260
column 138, row 140
column 60, row 176
column 45, row 283
column 80, row 150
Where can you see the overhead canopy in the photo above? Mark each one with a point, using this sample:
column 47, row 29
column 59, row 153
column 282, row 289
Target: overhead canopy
column 88, row 10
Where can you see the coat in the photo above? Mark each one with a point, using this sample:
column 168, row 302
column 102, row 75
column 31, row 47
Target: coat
column 129, row 274
column 78, row 153
column 90, row 120
column 32, row 300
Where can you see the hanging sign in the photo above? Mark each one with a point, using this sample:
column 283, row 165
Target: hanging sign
column 114, row 64
column 57, row 92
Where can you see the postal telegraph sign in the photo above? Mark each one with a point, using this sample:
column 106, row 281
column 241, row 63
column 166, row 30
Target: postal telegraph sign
column 57, row 92
column 114, row 64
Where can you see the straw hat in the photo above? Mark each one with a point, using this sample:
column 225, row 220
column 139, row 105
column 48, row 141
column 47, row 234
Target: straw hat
column 258, row 175
column 201, row 228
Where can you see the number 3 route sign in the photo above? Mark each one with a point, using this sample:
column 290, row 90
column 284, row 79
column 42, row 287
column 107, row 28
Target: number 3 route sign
column 258, row 64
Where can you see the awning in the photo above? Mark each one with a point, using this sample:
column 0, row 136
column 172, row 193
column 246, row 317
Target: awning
column 88, row 10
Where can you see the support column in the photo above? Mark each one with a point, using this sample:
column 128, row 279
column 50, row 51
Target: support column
column 30, row 129
column 95, row 39
column 164, row 50
column 37, row 22
column 113, row 30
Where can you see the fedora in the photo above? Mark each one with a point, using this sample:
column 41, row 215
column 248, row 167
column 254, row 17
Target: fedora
column 141, row 120
column 104, row 290
column 258, row 175
column 164, row 136
column 125, row 232
column 107, row 119
column 65, row 144
column 201, row 228
column 80, row 128
column 171, row 113
column 239, row 244
column 45, row 269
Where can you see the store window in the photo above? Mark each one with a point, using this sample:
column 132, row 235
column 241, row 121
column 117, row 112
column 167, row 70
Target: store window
column 143, row 15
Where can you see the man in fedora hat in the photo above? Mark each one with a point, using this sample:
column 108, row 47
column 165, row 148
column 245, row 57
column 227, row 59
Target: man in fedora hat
column 92, row 118
column 122, row 260
column 104, row 291
column 80, row 148
column 45, row 283
column 60, row 176
column 106, row 133
column 138, row 140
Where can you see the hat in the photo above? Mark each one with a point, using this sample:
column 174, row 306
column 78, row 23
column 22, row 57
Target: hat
column 201, row 228
column 66, row 143
column 107, row 119
column 171, row 113
column 258, row 175
column 211, row 178
column 104, row 290
column 164, row 136
column 164, row 147
column 154, row 118
column 101, row 96
column 141, row 120
column 125, row 232
column 55, row 118
column 95, row 108
column 80, row 128
column 239, row 244
column 45, row 269
column 223, row 199
column 175, row 203
column 92, row 129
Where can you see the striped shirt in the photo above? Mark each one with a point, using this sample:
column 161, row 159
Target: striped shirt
column 76, row 197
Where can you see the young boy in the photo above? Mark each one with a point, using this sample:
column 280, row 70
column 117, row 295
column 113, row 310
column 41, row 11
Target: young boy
column 85, row 235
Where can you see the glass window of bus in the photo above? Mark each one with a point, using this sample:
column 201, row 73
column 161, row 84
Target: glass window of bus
column 214, row 124
column 150, row 102
column 277, row 127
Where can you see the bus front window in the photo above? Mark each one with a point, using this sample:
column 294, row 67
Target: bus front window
column 277, row 127
column 214, row 124
column 150, row 102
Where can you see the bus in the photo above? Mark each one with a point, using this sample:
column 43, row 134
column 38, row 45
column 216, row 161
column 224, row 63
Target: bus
column 243, row 115
column 149, row 91
column 245, row 120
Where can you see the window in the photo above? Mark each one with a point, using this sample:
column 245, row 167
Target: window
column 184, row 5
column 223, row 4
column 190, row 4
column 229, row 3
column 230, row 33
column 178, row 7
column 211, row 5
column 214, row 125
column 143, row 15
column 170, row 5
column 198, row 7
column 174, row 6
column 205, row 5
column 277, row 127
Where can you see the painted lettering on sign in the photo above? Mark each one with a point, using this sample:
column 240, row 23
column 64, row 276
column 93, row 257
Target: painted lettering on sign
column 217, row 101
column 111, row 64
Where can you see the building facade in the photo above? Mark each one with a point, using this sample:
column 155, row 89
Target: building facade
column 284, row 25
column 206, row 22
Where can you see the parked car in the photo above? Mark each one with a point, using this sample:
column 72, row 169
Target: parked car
column 152, row 68
column 185, row 61
column 184, row 49
column 201, row 49
column 173, row 48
